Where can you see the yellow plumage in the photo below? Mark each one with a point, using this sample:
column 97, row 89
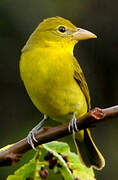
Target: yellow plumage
column 55, row 81
column 52, row 87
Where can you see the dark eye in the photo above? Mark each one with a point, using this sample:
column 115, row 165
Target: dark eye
column 62, row 29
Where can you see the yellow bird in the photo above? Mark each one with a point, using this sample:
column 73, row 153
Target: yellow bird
column 55, row 82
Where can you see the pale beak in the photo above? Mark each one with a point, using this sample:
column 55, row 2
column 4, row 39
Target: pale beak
column 82, row 34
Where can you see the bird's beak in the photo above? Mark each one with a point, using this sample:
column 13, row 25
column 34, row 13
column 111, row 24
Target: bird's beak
column 82, row 34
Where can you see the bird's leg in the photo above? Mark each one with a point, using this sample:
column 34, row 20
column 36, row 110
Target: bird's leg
column 72, row 127
column 32, row 133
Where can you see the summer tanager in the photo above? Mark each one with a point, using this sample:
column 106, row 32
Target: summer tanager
column 56, row 84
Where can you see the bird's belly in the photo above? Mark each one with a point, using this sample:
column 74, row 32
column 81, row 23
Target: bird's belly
column 59, row 103
column 51, row 86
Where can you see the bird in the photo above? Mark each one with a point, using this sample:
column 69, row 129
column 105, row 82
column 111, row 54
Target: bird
column 56, row 84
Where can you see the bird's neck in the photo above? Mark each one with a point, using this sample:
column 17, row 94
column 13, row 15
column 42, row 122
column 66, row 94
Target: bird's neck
column 59, row 45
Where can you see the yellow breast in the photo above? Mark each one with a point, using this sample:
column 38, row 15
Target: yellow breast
column 49, row 81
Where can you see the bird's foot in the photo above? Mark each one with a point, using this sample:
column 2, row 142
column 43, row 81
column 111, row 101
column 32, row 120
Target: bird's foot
column 72, row 127
column 31, row 139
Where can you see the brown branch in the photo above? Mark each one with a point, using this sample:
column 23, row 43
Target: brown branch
column 13, row 154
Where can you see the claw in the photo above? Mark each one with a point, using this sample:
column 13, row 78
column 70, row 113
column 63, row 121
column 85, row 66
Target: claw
column 73, row 125
column 70, row 126
column 33, row 136
column 31, row 139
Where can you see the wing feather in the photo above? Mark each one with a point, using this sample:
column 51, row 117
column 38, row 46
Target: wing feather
column 79, row 77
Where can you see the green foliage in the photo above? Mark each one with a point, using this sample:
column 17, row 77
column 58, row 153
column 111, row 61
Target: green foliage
column 56, row 157
column 24, row 172
column 58, row 149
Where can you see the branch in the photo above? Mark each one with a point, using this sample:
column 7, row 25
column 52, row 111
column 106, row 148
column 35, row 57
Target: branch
column 14, row 153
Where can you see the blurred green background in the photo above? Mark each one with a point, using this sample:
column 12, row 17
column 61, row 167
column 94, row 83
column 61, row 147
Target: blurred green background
column 98, row 58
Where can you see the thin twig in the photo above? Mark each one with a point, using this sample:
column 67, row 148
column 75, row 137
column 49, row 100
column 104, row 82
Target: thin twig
column 13, row 154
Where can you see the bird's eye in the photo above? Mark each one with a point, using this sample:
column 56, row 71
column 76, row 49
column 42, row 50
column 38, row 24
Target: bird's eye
column 62, row 29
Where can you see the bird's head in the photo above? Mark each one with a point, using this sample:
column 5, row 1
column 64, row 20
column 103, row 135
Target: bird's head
column 57, row 31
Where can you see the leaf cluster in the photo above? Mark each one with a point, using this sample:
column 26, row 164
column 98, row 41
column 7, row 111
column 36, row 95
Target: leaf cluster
column 53, row 158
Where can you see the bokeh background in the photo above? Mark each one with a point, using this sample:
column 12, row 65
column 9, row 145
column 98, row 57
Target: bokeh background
column 97, row 57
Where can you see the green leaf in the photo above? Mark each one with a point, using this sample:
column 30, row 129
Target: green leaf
column 79, row 170
column 37, row 168
column 60, row 150
column 29, row 170
column 67, row 163
column 56, row 147
column 13, row 177
column 24, row 172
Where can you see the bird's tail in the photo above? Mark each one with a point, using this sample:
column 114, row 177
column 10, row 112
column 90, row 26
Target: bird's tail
column 87, row 150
